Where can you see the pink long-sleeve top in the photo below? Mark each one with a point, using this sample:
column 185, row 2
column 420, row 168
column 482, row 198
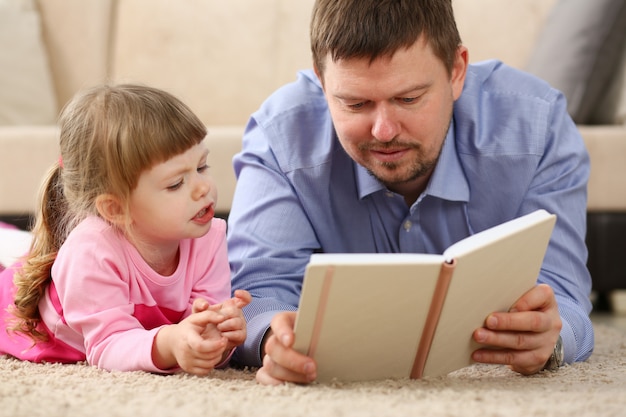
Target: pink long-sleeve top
column 105, row 304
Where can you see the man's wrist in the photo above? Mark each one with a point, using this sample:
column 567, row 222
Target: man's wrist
column 266, row 335
column 556, row 359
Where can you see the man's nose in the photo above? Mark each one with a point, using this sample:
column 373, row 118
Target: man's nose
column 385, row 126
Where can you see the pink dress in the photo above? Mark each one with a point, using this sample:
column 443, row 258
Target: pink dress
column 105, row 304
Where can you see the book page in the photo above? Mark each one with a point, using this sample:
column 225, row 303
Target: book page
column 489, row 276
column 495, row 233
column 364, row 319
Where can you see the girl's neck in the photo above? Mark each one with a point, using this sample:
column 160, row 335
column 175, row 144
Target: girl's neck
column 162, row 259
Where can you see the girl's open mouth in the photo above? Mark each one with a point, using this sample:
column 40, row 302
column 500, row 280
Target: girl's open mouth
column 205, row 215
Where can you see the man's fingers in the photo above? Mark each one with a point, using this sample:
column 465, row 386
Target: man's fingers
column 282, row 362
column 272, row 371
column 510, row 340
column 540, row 297
column 532, row 321
column 282, row 327
column 525, row 362
column 263, row 377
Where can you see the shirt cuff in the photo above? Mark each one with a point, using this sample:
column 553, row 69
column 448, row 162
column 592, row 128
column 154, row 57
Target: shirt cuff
column 249, row 353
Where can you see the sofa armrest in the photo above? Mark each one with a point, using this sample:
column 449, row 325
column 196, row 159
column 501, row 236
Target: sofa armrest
column 607, row 182
column 223, row 143
column 27, row 153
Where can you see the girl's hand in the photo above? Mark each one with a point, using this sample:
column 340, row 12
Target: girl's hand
column 234, row 325
column 195, row 344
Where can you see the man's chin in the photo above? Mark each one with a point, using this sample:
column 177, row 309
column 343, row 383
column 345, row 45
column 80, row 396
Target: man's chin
column 391, row 176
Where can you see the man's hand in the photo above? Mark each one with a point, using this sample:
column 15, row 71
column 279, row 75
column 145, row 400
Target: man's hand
column 524, row 337
column 280, row 362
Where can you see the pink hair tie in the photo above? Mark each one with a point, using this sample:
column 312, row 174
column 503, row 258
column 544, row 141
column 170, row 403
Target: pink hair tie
column 61, row 161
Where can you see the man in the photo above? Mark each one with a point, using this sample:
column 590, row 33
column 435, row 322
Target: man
column 395, row 144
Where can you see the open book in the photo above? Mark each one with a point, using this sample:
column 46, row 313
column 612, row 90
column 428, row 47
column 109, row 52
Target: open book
column 376, row 316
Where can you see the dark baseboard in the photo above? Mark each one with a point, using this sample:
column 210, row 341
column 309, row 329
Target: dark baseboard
column 21, row 220
column 606, row 241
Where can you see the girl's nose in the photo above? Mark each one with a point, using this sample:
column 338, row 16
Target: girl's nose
column 202, row 186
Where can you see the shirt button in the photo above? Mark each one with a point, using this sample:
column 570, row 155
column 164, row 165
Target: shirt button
column 390, row 194
column 407, row 225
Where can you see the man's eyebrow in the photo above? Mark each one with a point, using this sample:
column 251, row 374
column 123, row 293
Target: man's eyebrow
column 412, row 89
column 415, row 88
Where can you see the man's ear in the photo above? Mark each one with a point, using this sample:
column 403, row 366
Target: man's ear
column 459, row 70
column 318, row 73
column 110, row 209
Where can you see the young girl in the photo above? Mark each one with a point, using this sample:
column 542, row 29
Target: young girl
column 128, row 268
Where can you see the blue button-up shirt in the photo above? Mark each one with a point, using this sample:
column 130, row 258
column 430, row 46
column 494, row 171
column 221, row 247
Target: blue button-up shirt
column 511, row 149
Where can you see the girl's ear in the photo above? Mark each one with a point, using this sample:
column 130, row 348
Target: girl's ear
column 110, row 208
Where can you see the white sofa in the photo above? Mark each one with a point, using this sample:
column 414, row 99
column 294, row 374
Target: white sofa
column 222, row 58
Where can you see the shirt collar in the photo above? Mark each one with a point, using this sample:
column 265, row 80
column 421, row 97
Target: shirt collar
column 448, row 181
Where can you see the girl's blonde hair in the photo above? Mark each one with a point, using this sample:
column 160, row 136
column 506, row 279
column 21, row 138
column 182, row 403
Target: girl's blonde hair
column 108, row 136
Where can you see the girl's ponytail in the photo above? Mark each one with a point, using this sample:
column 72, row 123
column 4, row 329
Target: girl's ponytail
column 49, row 232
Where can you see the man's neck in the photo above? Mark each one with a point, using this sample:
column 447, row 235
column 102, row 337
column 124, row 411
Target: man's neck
column 411, row 190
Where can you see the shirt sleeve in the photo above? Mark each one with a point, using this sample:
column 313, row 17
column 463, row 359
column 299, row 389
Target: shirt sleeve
column 266, row 257
column 560, row 186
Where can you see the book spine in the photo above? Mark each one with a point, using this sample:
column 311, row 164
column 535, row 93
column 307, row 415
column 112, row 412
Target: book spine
column 436, row 305
column 321, row 310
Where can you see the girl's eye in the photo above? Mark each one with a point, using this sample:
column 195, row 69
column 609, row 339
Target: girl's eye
column 176, row 186
column 202, row 168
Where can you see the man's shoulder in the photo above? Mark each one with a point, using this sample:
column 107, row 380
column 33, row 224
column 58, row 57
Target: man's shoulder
column 302, row 96
column 294, row 122
column 496, row 79
column 499, row 106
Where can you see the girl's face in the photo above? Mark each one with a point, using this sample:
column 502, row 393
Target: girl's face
column 174, row 200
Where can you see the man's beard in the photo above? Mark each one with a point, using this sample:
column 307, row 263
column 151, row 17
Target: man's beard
column 418, row 169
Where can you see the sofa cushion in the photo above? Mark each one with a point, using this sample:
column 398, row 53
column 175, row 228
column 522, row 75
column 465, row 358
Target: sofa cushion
column 26, row 153
column 25, row 82
column 221, row 58
column 497, row 29
column 77, row 35
column 579, row 50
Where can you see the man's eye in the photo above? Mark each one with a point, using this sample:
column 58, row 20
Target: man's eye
column 408, row 100
column 356, row 106
column 176, row 186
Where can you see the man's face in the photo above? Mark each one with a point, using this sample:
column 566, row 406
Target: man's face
column 392, row 114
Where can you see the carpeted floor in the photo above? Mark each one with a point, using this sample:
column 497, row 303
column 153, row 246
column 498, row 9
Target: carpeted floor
column 595, row 388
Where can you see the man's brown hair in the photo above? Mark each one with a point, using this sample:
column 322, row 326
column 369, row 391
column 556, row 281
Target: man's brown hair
column 345, row 29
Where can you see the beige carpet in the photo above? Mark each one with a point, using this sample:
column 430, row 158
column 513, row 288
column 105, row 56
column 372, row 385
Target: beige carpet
column 594, row 388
